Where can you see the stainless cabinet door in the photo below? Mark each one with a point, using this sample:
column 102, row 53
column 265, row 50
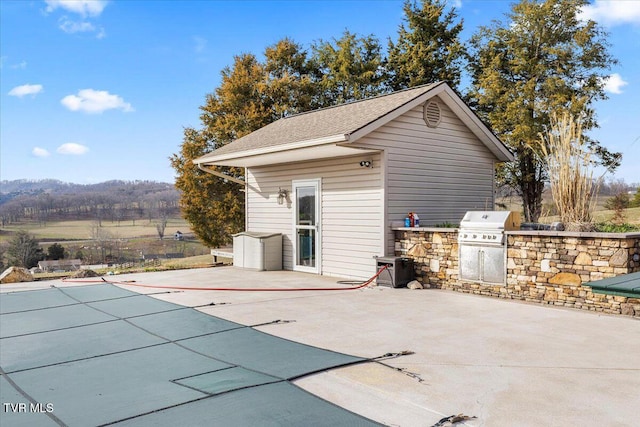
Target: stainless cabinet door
column 470, row 262
column 493, row 267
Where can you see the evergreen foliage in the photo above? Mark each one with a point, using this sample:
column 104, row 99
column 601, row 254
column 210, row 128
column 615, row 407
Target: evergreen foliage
column 618, row 203
column 253, row 94
column 55, row 252
column 428, row 47
column 347, row 69
column 543, row 59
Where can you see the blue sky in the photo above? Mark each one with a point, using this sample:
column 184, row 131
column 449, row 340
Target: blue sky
column 98, row 90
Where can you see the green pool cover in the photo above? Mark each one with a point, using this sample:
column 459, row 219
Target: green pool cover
column 626, row 285
column 102, row 355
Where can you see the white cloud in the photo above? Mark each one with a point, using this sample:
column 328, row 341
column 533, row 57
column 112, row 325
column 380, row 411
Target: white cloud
column 72, row 148
column 81, row 7
column 614, row 84
column 612, row 12
column 455, row 3
column 70, row 27
column 95, row 101
column 40, row 152
column 24, row 90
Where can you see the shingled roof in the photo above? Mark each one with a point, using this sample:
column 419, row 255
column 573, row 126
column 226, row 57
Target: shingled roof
column 341, row 119
column 337, row 124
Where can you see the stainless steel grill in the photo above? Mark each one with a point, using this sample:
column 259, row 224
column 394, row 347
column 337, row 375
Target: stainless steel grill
column 482, row 245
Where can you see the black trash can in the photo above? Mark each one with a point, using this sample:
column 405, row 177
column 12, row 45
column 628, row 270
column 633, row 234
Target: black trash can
column 399, row 271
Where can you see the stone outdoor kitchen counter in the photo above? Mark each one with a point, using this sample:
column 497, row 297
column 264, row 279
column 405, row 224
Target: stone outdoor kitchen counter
column 546, row 267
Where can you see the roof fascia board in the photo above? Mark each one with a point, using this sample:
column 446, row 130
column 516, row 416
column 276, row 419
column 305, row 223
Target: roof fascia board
column 476, row 125
column 333, row 139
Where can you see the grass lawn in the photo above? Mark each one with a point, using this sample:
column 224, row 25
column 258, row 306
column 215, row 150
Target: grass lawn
column 81, row 230
column 120, row 243
column 631, row 216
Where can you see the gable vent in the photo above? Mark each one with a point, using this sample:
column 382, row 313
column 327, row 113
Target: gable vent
column 431, row 113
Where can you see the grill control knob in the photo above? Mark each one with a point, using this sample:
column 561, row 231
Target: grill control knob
column 475, row 235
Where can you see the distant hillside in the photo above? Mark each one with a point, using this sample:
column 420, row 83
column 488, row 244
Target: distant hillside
column 54, row 186
column 50, row 199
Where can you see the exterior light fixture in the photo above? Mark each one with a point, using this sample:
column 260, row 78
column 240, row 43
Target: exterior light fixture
column 366, row 163
column 282, row 195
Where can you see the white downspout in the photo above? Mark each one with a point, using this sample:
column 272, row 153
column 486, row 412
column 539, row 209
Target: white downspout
column 234, row 180
column 221, row 175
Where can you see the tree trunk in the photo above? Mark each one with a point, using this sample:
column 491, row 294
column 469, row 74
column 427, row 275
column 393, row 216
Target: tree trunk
column 531, row 186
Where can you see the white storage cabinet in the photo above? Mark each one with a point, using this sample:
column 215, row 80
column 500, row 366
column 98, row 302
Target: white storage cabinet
column 258, row 251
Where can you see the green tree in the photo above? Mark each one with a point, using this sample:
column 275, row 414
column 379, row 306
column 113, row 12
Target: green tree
column 543, row 59
column 428, row 47
column 215, row 207
column 348, row 68
column 290, row 87
column 618, row 203
column 253, row 94
column 55, row 251
column 24, row 251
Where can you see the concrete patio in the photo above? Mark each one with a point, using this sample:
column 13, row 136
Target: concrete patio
column 505, row 362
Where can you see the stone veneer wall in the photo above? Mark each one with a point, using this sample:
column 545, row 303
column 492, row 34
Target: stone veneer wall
column 542, row 266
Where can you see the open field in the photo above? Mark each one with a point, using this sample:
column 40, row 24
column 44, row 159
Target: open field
column 81, row 230
column 631, row 216
column 124, row 243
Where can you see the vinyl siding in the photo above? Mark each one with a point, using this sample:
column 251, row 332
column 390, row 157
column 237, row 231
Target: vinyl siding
column 352, row 211
column 439, row 173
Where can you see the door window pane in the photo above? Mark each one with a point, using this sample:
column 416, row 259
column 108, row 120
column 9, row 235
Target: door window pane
column 306, row 214
column 306, row 248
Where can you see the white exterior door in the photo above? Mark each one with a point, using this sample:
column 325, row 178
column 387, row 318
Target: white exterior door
column 306, row 225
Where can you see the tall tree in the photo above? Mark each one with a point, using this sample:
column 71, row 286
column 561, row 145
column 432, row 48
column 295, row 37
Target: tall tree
column 253, row 94
column 24, row 251
column 290, row 86
column 428, row 47
column 214, row 207
column 348, row 68
column 543, row 59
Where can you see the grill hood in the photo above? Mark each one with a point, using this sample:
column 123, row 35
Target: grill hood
column 491, row 220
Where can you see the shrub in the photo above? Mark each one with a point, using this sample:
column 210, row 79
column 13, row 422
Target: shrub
column 607, row 227
column 618, row 204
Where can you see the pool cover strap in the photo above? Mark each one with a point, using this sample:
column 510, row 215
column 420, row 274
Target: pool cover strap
column 102, row 355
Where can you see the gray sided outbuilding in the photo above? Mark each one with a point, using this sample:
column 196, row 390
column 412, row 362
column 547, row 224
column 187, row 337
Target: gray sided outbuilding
column 334, row 181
